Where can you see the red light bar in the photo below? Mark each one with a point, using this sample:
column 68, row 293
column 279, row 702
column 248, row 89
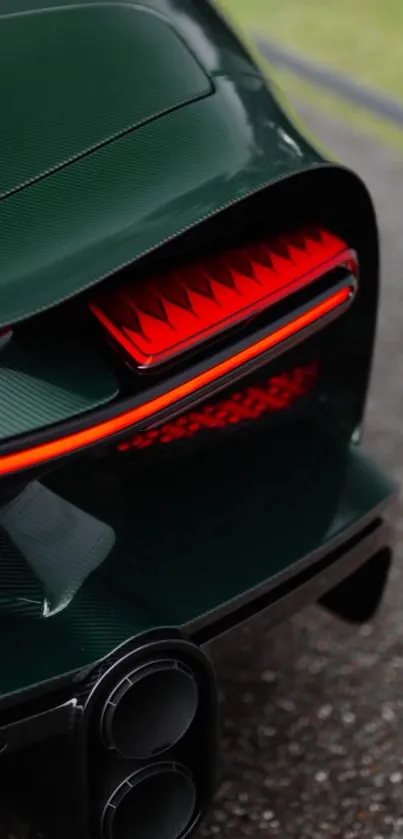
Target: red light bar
column 277, row 394
column 45, row 452
column 155, row 319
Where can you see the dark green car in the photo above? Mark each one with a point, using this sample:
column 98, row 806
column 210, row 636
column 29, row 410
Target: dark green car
column 188, row 301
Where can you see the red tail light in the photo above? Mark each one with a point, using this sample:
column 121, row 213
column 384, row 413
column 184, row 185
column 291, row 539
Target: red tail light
column 277, row 394
column 331, row 306
column 156, row 319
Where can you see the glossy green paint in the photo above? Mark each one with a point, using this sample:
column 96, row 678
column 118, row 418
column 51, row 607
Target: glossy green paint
column 65, row 231
column 50, row 381
column 181, row 551
column 74, row 78
column 166, row 546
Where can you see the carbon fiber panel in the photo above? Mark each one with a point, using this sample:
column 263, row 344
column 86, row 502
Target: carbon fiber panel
column 180, row 553
column 43, row 383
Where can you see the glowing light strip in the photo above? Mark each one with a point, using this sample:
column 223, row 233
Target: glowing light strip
column 45, row 452
column 275, row 394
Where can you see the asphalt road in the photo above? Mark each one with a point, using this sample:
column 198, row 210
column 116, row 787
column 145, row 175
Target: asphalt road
column 312, row 713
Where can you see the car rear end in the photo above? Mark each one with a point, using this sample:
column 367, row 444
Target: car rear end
column 221, row 475
column 188, row 301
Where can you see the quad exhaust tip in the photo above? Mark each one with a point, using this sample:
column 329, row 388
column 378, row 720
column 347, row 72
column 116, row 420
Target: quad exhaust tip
column 150, row 710
column 158, row 802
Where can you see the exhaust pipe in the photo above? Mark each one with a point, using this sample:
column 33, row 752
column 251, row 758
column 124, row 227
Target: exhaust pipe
column 158, row 802
column 150, row 710
column 147, row 740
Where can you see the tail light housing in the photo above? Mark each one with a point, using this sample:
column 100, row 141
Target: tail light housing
column 200, row 328
column 156, row 320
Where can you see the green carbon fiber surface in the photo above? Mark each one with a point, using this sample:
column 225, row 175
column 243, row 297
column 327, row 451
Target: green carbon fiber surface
column 110, row 553
column 20, row 588
column 64, row 232
column 176, row 552
column 75, row 77
column 46, row 383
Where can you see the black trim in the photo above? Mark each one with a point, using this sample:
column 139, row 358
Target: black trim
column 37, row 727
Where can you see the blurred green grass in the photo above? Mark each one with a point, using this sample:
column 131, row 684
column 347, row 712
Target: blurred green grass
column 363, row 38
column 360, row 120
column 360, row 38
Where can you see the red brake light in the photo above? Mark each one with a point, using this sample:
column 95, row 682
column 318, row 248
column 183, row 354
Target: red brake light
column 277, row 394
column 333, row 304
column 156, row 319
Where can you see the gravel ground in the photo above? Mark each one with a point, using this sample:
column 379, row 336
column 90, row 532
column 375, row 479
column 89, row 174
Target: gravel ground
column 312, row 736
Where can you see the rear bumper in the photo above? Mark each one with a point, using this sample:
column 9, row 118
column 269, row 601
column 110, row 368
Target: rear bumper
column 341, row 560
column 233, row 539
column 347, row 577
column 353, row 544
column 336, row 550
